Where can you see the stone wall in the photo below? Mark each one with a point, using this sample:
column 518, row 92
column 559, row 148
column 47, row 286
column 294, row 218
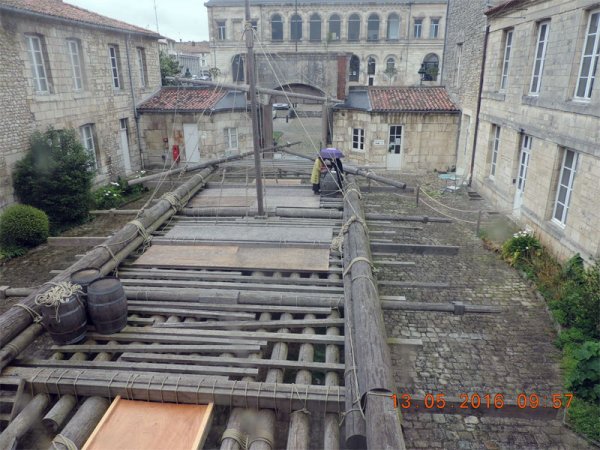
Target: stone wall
column 98, row 103
column 155, row 127
column 407, row 51
column 427, row 139
column 554, row 119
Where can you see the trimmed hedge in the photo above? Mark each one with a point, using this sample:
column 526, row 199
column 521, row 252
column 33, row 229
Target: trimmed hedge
column 23, row 226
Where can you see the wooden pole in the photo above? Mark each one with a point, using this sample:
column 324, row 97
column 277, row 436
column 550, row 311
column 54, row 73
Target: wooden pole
column 372, row 356
column 29, row 416
column 332, row 355
column 18, row 344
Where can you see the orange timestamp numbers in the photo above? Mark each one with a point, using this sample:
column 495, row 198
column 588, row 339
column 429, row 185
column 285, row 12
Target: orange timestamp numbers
column 485, row 401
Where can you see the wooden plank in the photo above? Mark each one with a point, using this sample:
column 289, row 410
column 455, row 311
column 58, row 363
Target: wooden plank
column 176, row 427
column 232, row 307
column 229, row 361
column 418, row 249
column 176, row 348
column 144, row 367
column 197, row 313
column 299, row 259
column 270, row 324
column 144, row 336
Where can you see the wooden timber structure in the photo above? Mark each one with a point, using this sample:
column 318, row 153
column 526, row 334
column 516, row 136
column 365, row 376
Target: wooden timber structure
column 291, row 358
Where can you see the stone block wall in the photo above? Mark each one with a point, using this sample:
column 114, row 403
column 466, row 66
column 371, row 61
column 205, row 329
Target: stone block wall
column 427, row 139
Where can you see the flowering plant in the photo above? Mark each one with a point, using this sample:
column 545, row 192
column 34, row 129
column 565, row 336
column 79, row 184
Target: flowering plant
column 521, row 247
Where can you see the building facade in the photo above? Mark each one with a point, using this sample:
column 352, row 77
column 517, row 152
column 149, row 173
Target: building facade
column 382, row 42
column 538, row 147
column 409, row 129
column 193, row 58
column 201, row 123
column 66, row 67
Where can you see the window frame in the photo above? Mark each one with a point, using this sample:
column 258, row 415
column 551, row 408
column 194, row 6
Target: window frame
column 595, row 58
column 418, row 25
column 392, row 145
column 114, row 65
column 434, row 28
column 43, row 77
column 459, row 50
column 537, row 77
column 562, row 221
column 354, row 20
column 279, row 24
column 358, row 139
column 393, row 16
column 231, row 133
column 508, row 42
column 296, row 24
column 312, row 24
column 352, row 77
column 335, row 18
column 85, row 140
column 221, row 30
column 496, row 132
column 372, row 19
column 76, row 66
column 141, row 55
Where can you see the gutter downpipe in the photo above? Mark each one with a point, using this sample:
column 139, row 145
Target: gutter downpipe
column 481, row 77
column 136, row 117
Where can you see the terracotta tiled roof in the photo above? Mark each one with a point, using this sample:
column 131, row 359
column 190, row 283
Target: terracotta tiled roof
column 192, row 48
column 398, row 99
column 62, row 10
column 182, row 100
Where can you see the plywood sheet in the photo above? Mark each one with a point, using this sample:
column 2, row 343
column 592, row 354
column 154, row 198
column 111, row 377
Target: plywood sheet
column 233, row 256
column 210, row 232
column 135, row 425
column 281, row 182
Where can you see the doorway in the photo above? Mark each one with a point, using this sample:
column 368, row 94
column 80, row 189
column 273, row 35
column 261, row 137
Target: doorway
column 191, row 137
column 524, row 156
column 394, row 156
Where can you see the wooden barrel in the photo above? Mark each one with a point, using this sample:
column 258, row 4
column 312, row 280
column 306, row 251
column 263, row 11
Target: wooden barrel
column 66, row 324
column 107, row 305
column 83, row 278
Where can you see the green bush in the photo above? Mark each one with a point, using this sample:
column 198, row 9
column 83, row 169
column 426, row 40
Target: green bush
column 115, row 194
column 520, row 249
column 585, row 418
column 23, row 226
column 56, row 177
column 582, row 369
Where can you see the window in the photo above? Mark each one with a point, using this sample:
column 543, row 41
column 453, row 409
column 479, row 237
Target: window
column 354, row 68
column 335, row 27
column 354, row 27
column 431, row 67
column 395, row 143
column 38, row 64
column 113, row 52
column 508, row 35
column 358, row 139
column 540, row 55
column 434, row 29
column 231, row 138
column 459, row 48
column 390, row 65
column 296, row 28
column 418, row 28
column 371, row 64
column 237, row 68
column 276, row 28
column 393, row 27
column 495, row 147
column 254, row 25
column 141, row 54
column 75, row 57
column 221, row 30
column 87, row 139
column 589, row 58
column 565, row 187
column 373, row 27
column 315, row 28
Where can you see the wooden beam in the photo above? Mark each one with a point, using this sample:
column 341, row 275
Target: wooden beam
column 144, row 335
column 187, row 312
column 233, row 307
column 271, row 324
column 157, row 348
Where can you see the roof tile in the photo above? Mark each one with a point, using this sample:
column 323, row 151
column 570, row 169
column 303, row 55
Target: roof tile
column 183, row 99
column 398, row 99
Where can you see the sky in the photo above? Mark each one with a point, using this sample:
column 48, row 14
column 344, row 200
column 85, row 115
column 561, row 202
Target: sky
column 177, row 19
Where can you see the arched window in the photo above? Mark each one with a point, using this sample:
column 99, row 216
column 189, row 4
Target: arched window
column 335, row 28
column 237, row 68
column 373, row 27
column 354, row 27
column 315, row 28
column 431, row 66
column 390, row 64
column 296, row 28
column 393, row 27
column 371, row 66
column 354, row 68
column 276, row 28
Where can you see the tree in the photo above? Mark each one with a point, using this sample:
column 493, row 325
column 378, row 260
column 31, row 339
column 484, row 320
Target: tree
column 390, row 72
column 169, row 67
column 56, row 176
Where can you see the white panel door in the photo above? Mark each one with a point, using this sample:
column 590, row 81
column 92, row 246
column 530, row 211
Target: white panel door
column 394, row 157
column 522, row 174
column 191, row 137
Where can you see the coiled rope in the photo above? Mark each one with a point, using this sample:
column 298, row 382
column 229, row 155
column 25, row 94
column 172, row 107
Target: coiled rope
column 57, row 295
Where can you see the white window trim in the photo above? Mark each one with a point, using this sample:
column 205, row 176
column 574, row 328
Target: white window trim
column 86, row 139
column 231, row 133
column 390, row 31
column 221, row 30
column 590, row 77
column 401, row 138
column 542, row 58
column 434, row 26
column 495, row 151
column 114, row 66
column 418, row 25
column 141, row 63
column 39, row 72
column 506, row 60
column 563, row 221
column 361, row 140
column 75, row 58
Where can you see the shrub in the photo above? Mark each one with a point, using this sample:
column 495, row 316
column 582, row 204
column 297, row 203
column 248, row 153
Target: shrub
column 56, row 177
column 585, row 417
column 583, row 370
column 115, row 194
column 22, row 226
column 519, row 249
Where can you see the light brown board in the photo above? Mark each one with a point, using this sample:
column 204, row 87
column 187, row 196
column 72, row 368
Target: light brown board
column 136, row 425
column 223, row 202
column 233, row 256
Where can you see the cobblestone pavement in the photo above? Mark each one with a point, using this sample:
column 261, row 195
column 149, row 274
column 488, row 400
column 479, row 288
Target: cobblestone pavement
column 507, row 353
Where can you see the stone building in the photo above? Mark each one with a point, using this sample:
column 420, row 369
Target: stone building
column 397, row 128
column 193, row 58
column 66, row 67
column 204, row 123
column 330, row 45
column 538, row 147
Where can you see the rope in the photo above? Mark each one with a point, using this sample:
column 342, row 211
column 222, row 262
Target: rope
column 32, row 312
column 57, row 295
column 174, row 201
column 358, row 258
column 338, row 241
column 110, row 252
column 236, row 435
column 146, row 237
column 262, row 435
column 62, row 439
